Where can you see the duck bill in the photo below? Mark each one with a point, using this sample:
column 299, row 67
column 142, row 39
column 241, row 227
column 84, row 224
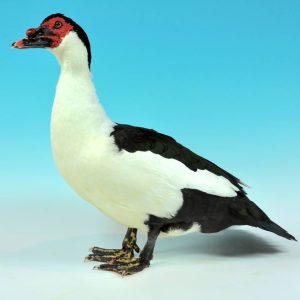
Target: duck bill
column 27, row 43
column 36, row 38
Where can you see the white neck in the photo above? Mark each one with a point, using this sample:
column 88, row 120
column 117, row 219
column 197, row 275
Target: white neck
column 77, row 116
column 72, row 54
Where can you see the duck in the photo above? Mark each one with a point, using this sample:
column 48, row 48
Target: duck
column 139, row 177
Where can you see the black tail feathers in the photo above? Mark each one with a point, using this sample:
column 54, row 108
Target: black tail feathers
column 271, row 226
column 248, row 213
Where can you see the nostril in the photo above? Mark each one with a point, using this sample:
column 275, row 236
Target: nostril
column 39, row 33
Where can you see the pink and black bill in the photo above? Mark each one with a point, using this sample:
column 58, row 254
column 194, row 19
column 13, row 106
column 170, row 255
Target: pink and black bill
column 36, row 38
column 51, row 33
column 48, row 35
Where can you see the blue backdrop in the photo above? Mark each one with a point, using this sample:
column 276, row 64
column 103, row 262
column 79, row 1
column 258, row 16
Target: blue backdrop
column 222, row 77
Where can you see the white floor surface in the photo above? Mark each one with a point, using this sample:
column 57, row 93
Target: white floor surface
column 43, row 245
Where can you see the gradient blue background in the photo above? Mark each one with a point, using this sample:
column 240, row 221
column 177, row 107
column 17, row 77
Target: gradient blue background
column 222, row 77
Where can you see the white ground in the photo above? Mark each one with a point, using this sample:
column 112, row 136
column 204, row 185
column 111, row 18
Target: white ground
column 43, row 243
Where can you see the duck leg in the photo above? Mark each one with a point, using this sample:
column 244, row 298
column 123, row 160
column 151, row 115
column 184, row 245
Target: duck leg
column 109, row 255
column 133, row 265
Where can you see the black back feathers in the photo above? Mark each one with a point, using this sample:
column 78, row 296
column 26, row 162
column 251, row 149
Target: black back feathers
column 132, row 139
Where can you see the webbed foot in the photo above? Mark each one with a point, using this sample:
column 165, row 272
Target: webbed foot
column 125, row 267
column 122, row 261
column 109, row 255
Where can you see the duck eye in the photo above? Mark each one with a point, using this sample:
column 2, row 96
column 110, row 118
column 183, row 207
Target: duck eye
column 57, row 25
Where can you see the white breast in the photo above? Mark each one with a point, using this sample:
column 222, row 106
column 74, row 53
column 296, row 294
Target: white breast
column 126, row 186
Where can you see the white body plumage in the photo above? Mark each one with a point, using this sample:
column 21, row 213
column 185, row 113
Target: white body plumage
column 125, row 186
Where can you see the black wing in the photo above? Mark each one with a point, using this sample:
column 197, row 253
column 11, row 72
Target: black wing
column 132, row 139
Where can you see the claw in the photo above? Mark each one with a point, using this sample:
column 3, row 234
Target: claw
column 87, row 258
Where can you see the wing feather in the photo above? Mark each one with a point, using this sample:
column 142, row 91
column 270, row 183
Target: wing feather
column 132, row 139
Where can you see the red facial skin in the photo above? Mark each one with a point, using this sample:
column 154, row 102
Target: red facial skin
column 56, row 35
column 59, row 33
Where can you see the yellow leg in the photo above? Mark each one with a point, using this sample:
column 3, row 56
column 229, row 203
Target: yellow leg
column 123, row 255
column 130, row 265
